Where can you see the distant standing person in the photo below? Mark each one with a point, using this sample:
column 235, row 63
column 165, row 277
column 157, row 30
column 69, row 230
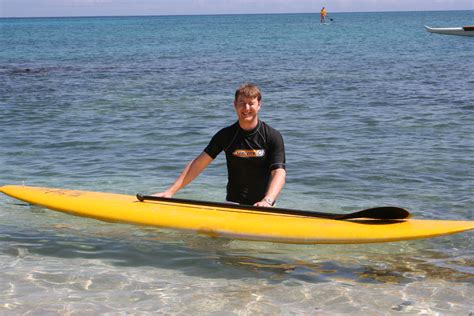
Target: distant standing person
column 323, row 15
column 254, row 151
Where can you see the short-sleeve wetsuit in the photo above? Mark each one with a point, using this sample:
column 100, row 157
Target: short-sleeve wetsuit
column 251, row 156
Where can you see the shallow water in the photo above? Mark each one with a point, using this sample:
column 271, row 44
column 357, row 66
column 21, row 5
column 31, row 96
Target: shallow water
column 373, row 110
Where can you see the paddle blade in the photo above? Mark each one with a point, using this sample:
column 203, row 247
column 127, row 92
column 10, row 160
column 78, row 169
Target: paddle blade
column 383, row 212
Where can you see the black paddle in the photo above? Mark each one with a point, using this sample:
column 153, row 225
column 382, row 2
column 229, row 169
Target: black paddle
column 383, row 212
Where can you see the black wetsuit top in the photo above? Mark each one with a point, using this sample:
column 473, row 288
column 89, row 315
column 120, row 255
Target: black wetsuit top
column 251, row 156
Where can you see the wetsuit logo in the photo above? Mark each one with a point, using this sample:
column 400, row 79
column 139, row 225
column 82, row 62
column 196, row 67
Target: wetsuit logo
column 249, row 153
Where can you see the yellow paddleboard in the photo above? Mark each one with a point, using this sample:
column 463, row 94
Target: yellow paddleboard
column 219, row 221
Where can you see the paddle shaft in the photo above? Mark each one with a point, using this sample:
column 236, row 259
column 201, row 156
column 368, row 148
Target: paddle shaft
column 383, row 212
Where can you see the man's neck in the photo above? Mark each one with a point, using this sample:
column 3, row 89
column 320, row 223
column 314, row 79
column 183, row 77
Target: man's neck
column 248, row 126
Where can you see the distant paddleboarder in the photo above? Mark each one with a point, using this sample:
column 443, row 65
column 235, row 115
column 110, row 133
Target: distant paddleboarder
column 323, row 15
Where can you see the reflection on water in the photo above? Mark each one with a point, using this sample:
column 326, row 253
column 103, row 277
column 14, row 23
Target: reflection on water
column 395, row 270
column 221, row 258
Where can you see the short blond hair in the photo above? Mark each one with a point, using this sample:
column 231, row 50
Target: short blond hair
column 248, row 90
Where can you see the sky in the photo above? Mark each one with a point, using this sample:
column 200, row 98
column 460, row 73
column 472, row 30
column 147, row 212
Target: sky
column 51, row 8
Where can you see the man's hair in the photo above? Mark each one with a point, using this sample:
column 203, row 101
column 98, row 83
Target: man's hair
column 248, row 90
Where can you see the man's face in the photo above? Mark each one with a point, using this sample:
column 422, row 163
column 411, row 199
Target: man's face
column 247, row 108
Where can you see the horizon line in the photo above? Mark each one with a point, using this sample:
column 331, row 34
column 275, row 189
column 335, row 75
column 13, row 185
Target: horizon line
column 217, row 14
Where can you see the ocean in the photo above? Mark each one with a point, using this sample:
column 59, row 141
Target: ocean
column 373, row 110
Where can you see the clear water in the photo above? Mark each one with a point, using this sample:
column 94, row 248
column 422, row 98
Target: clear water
column 373, row 109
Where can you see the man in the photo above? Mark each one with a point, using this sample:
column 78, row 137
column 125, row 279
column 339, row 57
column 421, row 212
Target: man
column 323, row 15
column 254, row 151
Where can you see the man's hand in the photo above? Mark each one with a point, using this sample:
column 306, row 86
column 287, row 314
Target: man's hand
column 165, row 194
column 266, row 202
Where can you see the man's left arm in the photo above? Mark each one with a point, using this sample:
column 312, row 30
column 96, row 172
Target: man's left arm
column 276, row 184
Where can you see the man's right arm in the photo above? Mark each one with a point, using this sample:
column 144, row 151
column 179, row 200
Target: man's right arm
column 190, row 172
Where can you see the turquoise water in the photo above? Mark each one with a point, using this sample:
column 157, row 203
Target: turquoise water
column 373, row 109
